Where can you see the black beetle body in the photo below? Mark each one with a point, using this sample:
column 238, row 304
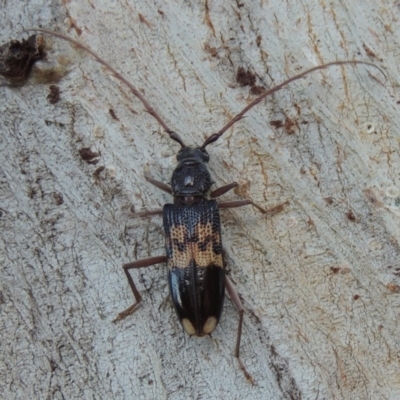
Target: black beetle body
column 196, row 275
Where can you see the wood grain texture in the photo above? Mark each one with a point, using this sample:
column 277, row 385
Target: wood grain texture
column 320, row 281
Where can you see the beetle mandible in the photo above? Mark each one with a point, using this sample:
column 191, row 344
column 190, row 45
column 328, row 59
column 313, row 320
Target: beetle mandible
column 194, row 253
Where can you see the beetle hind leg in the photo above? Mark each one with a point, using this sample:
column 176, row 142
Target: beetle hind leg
column 147, row 262
column 239, row 308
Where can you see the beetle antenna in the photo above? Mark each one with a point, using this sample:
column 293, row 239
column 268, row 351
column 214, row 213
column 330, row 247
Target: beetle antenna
column 173, row 135
column 238, row 117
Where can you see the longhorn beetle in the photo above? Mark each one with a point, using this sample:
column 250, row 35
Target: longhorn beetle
column 194, row 254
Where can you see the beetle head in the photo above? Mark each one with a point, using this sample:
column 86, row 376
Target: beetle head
column 193, row 154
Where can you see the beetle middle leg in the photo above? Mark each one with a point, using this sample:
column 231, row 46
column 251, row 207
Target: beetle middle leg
column 240, row 203
column 147, row 262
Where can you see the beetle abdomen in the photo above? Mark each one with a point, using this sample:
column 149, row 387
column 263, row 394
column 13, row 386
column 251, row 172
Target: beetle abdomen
column 196, row 273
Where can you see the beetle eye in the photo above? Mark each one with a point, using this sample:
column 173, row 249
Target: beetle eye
column 205, row 154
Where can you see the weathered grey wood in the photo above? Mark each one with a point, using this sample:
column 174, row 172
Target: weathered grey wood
column 319, row 281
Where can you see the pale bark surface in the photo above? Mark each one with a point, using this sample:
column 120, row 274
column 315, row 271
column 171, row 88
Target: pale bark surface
column 320, row 281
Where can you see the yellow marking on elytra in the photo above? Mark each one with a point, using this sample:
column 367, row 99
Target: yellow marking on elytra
column 188, row 327
column 210, row 325
column 178, row 241
column 203, row 252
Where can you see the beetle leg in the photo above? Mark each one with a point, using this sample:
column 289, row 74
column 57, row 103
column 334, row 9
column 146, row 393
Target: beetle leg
column 241, row 203
column 148, row 213
column 147, row 262
column 223, row 189
column 239, row 308
column 161, row 185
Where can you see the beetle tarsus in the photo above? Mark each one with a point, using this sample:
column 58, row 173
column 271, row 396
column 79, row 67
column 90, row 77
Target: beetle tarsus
column 244, row 370
column 130, row 310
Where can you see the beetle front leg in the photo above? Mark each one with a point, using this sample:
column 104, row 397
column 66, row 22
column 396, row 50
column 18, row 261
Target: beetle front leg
column 161, row 185
column 239, row 308
column 223, row 189
column 147, row 213
column 147, row 262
